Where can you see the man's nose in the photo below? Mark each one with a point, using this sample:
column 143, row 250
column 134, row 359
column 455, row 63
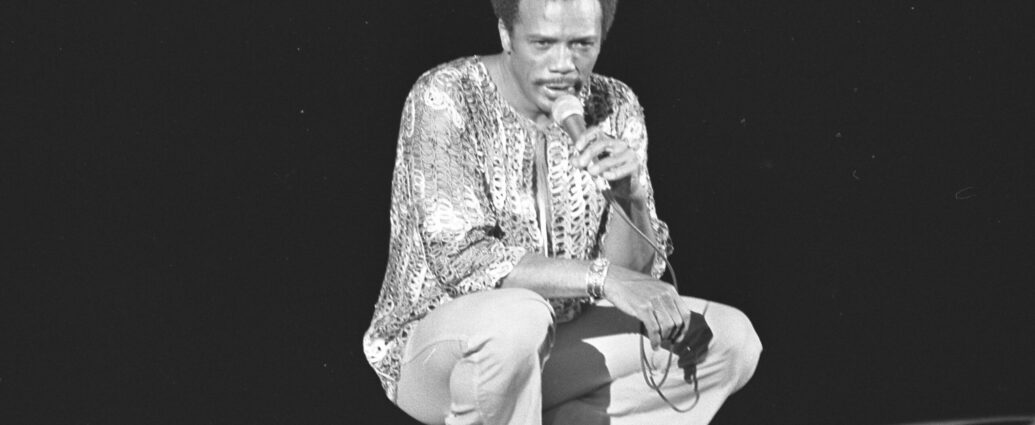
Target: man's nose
column 563, row 60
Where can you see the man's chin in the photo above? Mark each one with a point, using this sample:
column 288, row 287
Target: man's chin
column 543, row 102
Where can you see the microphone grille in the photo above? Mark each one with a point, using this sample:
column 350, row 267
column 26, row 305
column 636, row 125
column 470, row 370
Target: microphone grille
column 564, row 107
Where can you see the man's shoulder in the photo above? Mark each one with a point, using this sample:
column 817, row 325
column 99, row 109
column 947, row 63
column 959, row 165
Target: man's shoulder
column 613, row 89
column 609, row 84
column 607, row 96
column 448, row 75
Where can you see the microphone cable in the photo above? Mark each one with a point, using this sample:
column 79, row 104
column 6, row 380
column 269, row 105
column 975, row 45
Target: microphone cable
column 647, row 367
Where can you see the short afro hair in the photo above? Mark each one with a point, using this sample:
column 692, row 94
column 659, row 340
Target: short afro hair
column 507, row 11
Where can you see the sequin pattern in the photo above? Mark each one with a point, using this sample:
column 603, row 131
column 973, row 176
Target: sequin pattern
column 463, row 207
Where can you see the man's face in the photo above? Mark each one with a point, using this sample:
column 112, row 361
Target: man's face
column 555, row 45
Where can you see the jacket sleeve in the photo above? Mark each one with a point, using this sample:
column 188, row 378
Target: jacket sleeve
column 440, row 192
column 629, row 125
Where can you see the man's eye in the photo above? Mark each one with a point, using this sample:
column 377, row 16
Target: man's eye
column 541, row 43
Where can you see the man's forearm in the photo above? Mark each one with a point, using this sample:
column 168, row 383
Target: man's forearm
column 549, row 277
column 623, row 245
column 562, row 278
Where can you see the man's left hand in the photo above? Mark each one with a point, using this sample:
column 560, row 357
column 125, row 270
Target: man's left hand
column 612, row 159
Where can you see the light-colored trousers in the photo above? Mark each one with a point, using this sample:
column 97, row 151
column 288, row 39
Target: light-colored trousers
column 479, row 359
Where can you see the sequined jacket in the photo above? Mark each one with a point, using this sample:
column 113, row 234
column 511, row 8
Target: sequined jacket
column 463, row 209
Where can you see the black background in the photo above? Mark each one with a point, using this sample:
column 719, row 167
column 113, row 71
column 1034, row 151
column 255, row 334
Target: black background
column 196, row 199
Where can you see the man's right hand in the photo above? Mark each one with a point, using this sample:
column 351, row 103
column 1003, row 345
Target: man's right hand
column 663, row 312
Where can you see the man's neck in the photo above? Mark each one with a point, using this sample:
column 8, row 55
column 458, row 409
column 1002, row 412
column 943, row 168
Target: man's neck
column 500, row 73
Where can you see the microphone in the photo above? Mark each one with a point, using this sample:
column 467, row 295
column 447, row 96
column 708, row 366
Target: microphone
column 567, row 112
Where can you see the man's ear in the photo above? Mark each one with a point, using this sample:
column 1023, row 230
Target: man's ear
column 504, row 36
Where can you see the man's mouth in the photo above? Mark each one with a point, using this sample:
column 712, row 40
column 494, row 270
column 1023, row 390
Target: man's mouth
column 558, row 89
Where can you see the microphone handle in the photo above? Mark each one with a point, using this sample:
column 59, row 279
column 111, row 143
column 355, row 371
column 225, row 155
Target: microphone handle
column 574, row 125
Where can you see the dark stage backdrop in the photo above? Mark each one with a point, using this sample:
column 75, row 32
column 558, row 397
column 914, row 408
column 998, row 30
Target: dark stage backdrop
column 196, row 195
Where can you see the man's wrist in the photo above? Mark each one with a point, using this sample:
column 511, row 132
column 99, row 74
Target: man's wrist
column 595, row 277
column 631, row 203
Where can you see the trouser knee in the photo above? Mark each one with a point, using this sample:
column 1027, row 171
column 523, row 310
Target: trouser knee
column 499, row 376
column 738, row 344
column 520, row 325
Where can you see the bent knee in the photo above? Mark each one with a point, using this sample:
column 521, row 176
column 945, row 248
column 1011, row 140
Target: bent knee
column 517, row 308
column 497, row 306
column 735, row 340
column 517, row 321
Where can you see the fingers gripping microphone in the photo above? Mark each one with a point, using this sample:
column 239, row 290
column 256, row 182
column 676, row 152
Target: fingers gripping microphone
column 567, row 112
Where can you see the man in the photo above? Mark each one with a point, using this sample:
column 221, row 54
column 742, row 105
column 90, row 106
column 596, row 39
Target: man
column 515, row 293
